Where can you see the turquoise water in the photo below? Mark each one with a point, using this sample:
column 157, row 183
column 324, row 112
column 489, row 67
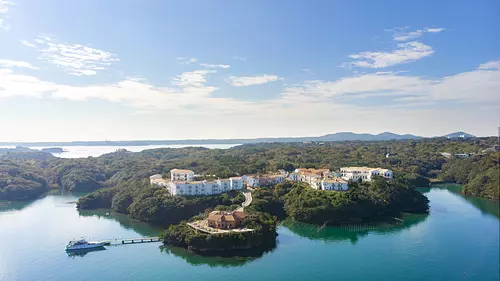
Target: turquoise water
column 458, row 240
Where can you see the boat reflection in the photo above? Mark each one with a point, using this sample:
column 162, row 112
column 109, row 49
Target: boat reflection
column 351, row 233
column 83, row 252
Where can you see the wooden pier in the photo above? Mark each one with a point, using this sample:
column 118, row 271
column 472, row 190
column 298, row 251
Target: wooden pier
column 130, row 241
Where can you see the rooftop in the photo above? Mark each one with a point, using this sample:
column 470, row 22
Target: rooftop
column 367, row 169
column 312, row 170
column 181, row 171
column 226, row 216
column 159, row 180
column 335, row 180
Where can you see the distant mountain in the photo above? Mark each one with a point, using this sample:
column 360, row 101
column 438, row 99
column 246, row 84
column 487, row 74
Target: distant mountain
column 348, row 136
column 343, row 136
column 457, row 135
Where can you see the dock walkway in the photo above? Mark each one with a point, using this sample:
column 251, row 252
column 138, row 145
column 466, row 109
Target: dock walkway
column 130, row 240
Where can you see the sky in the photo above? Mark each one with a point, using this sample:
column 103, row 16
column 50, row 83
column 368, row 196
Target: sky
column 154, row 70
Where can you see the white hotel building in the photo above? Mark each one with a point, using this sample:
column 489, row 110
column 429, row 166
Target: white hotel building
column 364, row 173
column 182, row 183
column 338, row 184
column 321, row 179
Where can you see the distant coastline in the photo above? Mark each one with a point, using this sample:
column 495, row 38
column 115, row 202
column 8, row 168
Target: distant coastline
column 342, row 136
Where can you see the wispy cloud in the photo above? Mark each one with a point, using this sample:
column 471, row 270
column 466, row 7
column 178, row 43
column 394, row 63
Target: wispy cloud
column 185, row 60
column 13, row 63
column 238, row 58
column 307, row 104
column 479, row 85
column 193, row 79
column 28, row 44
column 215, row 65
column 402, row 33
column 244, row 81
column 75, row 59
column 405, row 52
column 4, row 10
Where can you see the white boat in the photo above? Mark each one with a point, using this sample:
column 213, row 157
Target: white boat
column 82, row 244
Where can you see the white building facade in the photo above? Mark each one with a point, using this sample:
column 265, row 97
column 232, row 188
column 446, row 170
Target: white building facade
column 364, row 173
column 182, row 183
column 158, row 180
column 236, row 183
column 338, row 184
column 181, row 175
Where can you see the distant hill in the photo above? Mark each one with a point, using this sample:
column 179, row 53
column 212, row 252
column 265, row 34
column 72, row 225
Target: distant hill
column 348, row 136
column 342, row 136
column 457, row 135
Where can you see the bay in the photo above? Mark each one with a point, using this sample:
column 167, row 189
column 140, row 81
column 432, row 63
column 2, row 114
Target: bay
column 457, row 240
column 95, row 151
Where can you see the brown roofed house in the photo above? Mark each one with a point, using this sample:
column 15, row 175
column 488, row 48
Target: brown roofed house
column 226, row 220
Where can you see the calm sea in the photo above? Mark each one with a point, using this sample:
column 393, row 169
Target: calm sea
column 458, row 240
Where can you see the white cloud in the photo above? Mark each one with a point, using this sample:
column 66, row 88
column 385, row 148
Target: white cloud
column 224, row 66
column 471, row 99
column 28, row 44
column 185, row 60
column 401, row 33
column 479, row 85
column 491, row 65
column 434, row 30
column 75, row 59
column 239, row 58
column 251, row 80
column 12, row 84
column 195, row 78
column 13, row 63
column 406, row 52
column 189, row 90
column 4, row 10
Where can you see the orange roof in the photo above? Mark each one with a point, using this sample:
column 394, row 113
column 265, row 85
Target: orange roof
column 312, row 171
column 239, row 214
column 226, row 216
column 229, row 217
column 335, row 180
column 181, row 171
column 215, row 217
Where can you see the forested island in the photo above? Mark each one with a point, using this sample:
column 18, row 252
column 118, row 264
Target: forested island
column 415, row 160
column 261, row 239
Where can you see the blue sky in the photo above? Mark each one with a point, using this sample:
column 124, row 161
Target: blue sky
column 94, row 70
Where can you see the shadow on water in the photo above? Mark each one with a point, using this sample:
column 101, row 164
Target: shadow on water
column 142, row 228
column 21, row 204
column 220, row 259
column 14, row 205
column 486, row 206
column 352, row 232
column 82, row 253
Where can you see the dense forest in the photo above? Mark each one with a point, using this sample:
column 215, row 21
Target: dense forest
column 478, row 175
column 154, row 204
column 377, row 200
column 20, row 181
column 415, row 160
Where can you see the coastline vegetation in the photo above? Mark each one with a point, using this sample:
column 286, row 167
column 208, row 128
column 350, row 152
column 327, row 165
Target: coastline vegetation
column 154, row 204
column 415, row 160
column 479, row 176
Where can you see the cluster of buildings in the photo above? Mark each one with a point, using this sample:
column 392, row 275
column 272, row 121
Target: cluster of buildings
column 364, row 173
column 182, row 182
